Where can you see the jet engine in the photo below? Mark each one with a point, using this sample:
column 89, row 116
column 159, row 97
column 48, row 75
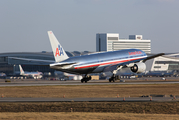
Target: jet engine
column 138, row 67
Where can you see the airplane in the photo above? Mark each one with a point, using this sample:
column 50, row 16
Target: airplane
column 2, row 75
column 35, row 75
column 98, row 62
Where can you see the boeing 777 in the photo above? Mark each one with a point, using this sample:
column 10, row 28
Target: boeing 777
column 98, row 62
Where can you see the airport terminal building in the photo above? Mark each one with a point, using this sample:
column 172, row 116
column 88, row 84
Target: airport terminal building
column 166, row 63
column 36, row 61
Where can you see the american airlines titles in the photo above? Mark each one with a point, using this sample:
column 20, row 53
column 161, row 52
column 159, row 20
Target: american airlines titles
column 135, row 53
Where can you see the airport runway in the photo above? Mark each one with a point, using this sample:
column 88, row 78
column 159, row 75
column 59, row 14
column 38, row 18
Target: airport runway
column 131, row 99
column 92, row 82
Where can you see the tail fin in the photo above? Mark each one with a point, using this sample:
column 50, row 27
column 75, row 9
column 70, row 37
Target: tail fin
column 21, row 70
column 58, row 51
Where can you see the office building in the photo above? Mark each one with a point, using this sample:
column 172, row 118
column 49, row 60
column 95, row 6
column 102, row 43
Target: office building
column 112, row 42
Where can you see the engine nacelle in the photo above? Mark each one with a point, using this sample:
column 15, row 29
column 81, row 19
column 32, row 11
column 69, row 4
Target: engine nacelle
column 138, row 67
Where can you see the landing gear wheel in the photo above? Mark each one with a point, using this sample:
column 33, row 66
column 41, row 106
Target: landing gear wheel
column 113, row 78
column 86, row 79
column 89, row 77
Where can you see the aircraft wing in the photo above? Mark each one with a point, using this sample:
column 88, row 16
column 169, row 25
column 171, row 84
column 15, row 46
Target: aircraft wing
column 125, row 64
column 153, row 56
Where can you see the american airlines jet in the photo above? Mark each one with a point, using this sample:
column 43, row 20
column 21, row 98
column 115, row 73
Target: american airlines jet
column 98, row 62
column 35, row 75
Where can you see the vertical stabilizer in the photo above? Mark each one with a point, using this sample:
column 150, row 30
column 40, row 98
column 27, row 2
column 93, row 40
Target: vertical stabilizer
column 21, row 70
column 58, row 51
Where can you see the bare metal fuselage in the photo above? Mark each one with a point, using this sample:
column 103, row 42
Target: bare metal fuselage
column 98, row 62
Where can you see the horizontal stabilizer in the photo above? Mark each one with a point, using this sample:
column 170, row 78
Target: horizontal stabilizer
column 63, row 64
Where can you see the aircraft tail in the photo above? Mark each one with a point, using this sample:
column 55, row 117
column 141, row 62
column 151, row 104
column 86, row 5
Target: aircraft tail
column 58, row 51
column 21, row 70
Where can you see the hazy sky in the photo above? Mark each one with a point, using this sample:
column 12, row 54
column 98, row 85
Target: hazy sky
column 24, row 23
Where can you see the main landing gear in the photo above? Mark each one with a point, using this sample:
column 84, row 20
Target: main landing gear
column 113, row 78
column 85, row 79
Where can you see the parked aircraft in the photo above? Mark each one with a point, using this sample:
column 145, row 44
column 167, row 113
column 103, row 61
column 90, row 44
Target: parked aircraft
column 2, row 75
column 35, row 75
column 98, row 62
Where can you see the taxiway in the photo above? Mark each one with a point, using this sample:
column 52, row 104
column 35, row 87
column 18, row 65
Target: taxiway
column 77, row 82
column 127, row 99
